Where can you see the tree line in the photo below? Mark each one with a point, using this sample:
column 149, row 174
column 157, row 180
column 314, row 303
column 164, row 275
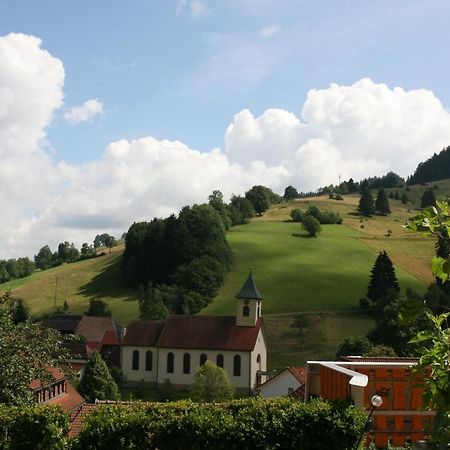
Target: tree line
column 435, row 168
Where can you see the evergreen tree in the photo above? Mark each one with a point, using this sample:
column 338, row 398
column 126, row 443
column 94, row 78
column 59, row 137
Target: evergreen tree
column 396, row 196
column 151, row 305
column 428, row 199
column 98, row 308
column 382, row 203
column 404, row 199
column 366, row 206
column 97, row 381
column 383, row 278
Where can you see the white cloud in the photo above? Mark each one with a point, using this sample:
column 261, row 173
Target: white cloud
column 268, row 32
column 196, row 8
column 360, row 130
column 84, row 113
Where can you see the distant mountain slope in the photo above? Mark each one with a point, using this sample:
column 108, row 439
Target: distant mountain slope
column 435, row 168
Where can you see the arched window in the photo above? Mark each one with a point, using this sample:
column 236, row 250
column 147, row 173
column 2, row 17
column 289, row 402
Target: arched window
column 186, row 363
column 202, row 359
column 237, row 366
column 246, row 311
column 149, row 361
column 219, row 360
column 135, row 363
column 170, row 362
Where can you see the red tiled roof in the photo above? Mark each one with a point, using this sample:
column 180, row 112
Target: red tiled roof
column 76, row 418
column 93, row 329
column 69, row 400
column 208, row 332
column 143, row 332
column 76, row 367
column 299, row 373
column 299, row 393
column 78, row 350
column 55, row 373
column 383, row 359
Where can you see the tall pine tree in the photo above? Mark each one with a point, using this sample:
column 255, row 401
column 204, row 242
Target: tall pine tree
column 382, row 203
column 366, row 207
column 428, row 199
column 383, row 279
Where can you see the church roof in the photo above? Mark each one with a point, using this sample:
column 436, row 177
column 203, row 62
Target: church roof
column 193, row 332
column 249, row 289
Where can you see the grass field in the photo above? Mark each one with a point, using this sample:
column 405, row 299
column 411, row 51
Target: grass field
column 76, row 283
column 296, row 273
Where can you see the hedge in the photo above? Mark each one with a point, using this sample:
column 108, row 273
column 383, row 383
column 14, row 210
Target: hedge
column 33, row 428
column 241, row 424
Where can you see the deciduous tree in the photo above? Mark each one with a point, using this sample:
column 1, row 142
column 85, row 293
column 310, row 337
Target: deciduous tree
column 311, row 225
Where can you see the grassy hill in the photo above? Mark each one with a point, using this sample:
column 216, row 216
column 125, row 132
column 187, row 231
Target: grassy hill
column 76, row 283
column 322, row 277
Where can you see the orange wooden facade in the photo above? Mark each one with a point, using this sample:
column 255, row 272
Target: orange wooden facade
column 399, row 419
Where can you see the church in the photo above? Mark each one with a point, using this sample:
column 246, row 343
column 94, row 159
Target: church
column 155, row 351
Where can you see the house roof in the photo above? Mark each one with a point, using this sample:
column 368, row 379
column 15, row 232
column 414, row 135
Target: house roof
column 55, row 373
column 383, row 359
column 65, row 323
column 78, row 350
column 99, row 330
column 77, row 417
column 69, row 400
column 143, row 333
column 193, row 332
column 249, row 289
column 299, row 393
column 299, row 373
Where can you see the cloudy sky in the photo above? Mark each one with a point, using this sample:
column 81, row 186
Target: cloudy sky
column 113, row 112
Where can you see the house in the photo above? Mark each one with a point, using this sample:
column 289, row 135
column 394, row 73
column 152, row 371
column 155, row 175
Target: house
column 399, row 419
column 155, row 351
column 59, row 391
column 289, row 381
column 80, row 352
column 103, row 334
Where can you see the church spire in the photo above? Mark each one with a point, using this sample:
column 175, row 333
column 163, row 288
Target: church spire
column 249, row 290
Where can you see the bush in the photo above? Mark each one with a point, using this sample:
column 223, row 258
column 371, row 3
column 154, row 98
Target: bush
column 33, row 427
column 364, row 304
column 311, row 225
column 250, row 423
column 297, row 215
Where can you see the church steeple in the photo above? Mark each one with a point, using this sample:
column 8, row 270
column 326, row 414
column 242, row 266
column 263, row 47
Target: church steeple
column 249, row 303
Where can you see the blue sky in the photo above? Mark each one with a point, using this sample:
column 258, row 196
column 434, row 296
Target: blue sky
column 162, row 70
column 113, row 111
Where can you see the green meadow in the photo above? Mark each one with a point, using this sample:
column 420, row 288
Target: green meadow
column 296, row 273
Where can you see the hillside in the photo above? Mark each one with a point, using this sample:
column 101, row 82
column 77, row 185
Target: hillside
column 322, row 278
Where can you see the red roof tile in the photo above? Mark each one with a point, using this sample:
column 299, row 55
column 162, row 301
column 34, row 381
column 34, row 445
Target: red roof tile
column 93, row 329
column 387, row 359
column 76, row 367
column 77, row 416
column 207, row 332
column 69, row 400
column 143, row 333
column 299, row 393
column 299, row 373
column 55, row 373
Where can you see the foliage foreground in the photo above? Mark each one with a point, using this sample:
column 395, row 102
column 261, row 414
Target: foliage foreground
column 240, row 424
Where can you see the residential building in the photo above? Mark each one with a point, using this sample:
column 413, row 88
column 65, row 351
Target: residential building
column 289, row 381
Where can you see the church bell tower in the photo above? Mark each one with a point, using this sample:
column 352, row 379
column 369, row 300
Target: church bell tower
column 248, row 303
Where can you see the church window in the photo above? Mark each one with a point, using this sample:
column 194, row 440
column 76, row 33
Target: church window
column 170, row 362
column 237, row 366
column 246, row 311
column 186, row 363
column 149, row 361
column 202, row 359
column 219, row 360
column 135, row 362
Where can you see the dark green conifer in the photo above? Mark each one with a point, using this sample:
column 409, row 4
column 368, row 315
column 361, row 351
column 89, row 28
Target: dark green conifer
column 383, row 279
column 382, row 203
column 366, row 206
column 428, row 199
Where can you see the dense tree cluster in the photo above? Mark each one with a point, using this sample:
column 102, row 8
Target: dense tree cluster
column 11, row 269
column 324, row 217
column 435, row 168
column 261, row 198
column 185, row 257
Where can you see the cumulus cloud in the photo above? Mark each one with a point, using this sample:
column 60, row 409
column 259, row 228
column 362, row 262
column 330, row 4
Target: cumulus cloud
column 84, row 113
column 356, row 131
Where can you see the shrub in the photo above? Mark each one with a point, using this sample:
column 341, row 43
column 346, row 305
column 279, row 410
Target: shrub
column 297, row 215
column 250, row 423
column 311, row 225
